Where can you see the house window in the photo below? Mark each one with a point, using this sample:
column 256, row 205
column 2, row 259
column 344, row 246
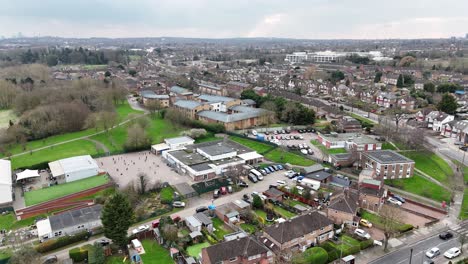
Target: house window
column 233, row 259
column 385, row 167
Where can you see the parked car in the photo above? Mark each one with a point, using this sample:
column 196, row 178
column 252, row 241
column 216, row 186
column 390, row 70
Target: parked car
column 362, row 233
column 428, row 261
column 260, row 177
column 216, row 193
column 280, row 166
column 223, row 190
column 272, row 168
column 262, row 171
column 103, row 242
column 280, row 183
column 445, row 236
column 365, row 223
column 289, row 173
column 464, row 148
column 229, row 189
column 178, row 204
column 452, row 253
column 201, row 209
column 140, row 229
column 50, row 259
column 252, row 178
column 310, row 151
column 394, row 201
column 433, row 252
column 242, row 184
column 304, row 151
column 399, row 198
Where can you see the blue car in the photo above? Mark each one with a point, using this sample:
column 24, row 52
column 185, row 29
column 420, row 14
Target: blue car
column 299, row 178
column 272, row 168
column 267, row 169
column 280, row 166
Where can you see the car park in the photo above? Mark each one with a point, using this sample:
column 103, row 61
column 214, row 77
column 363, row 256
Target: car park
column 452, row 253
column 394, row 201
column 178, row 204
column 445, row 235
column 201, row 209
column 216, row 193
column 252, row 178
column 362, row 233
column 365, row 223
column 433, row 252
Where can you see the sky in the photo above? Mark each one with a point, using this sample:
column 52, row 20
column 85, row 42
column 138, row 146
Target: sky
column 303, row 19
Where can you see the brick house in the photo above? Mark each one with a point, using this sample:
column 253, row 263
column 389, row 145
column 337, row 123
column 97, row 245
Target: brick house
column 349, row 141
column 150, row 96
column 349, row 124
column 244, row 250
column 343, row 208
column 298, row 233
column 180, row 93
column 190, row 108
column 387, row 164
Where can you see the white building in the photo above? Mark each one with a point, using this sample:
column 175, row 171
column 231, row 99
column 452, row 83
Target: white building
column 296, row 57
column 332, row 56
column 70, row 222
column 74, row 168
column 179, row 142
column 6, row 183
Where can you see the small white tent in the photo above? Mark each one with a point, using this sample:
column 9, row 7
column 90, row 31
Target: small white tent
column 27, row 174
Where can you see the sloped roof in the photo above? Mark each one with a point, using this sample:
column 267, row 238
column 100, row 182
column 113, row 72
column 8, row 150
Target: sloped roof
column 245, row 247
column 76, row 217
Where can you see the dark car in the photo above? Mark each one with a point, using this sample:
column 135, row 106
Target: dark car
column 464, row 148
column 103, row 242
column 445, row 235
column 243, row 184
column 253, row 178
column 399, row 198
column 201, row 209
column 50, row 260
column 216, row 193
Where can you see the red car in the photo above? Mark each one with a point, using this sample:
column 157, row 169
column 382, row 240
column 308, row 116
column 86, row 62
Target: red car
column 223, row 190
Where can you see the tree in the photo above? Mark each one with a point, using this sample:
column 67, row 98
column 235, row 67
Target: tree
column 429, row 87
column 390, row 216
column 378, row 76
column 337, row 76
column 137, row 138
column 397, row 115
column 52, row 60
column 107, row 119
column 169, row 233
column 25, row 255
column 132, row 72
column 107, row 74
column 400, row 83
column 257, row 202
column 142, row 182
column 153, row 106
column 448, row 104
column 117, row 216
column 98, row 254
column 448, row 88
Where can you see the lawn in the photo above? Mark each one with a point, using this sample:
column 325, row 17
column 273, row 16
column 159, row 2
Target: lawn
column 248, row 228
column 261, row 214
column 464, row 207
column 167, row 193
column 255, row 145
column 207, row 138
column 293, row 203
column 124, row 111
column 196, row 249
column 431, row 164
column 346, row 245
column 421, row 186
column 57, row 191
column 116, row 260
column 155, row 253
column 364, row 121
column 387, row 145
column 4, row 255
column 6, row 116
column 283, row 212
column 375, row 219
column 74, row 148
column 9, row 221
column 94, row 66
column 221, row 229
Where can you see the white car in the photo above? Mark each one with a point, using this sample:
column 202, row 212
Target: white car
column 394, row 201
column 362, row 233
column 178, row 204
column 140, row 229
column 452, row 253
column 289, row 173
column 433, row 252
column 304, row 151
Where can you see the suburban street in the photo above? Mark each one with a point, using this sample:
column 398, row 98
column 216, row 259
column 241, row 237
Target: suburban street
column 402, row 255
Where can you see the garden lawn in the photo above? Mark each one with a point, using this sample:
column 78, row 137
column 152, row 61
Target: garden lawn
column 387, row 145
column 464, row 207
column 196, row 249
column 207, row 138
column 4, row 254
column 74, row 148
column 248, row 228
column 280, row 156
column 57, row 191
column 293, row 203
column 284, row 213
column 375, row 219
column 255, row 145
column 421, row 186
column 261, row 213
column 116, row 260
column 155, row 253
column 431, row 164
column 221, row 229
column 167, row 193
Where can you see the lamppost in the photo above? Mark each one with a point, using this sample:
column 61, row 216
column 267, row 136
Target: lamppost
column 411, row 255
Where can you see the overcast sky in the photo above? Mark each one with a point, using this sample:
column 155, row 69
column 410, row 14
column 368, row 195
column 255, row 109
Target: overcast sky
column 312, row 19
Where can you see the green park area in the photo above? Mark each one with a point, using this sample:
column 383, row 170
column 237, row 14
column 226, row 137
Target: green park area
column 273, row 153
column 57, row 191
column 431, row 164
column 378, row 221
column 421, row 186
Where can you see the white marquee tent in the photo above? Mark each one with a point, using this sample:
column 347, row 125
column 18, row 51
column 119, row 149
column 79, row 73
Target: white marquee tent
column 27, row 174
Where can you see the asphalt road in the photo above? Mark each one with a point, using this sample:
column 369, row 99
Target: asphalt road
column 402, row 256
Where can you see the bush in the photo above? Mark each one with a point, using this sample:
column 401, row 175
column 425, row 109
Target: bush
column 405, row 228
column 315, row 255
column 79, row 254
column 366, row 243
column 209, row 237
column 61, row 242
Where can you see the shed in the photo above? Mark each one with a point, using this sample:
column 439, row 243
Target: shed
column 205, row 220
column 74, row 168
column 26, row 174
column 193, row 224
column 185, row 190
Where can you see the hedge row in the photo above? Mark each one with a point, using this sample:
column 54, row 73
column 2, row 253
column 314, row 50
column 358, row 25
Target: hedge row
column 366, row 243
column 405, row 228
column 79, row 254
column 61, row 242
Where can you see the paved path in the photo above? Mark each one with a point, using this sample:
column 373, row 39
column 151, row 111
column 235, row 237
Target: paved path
column 103, row 147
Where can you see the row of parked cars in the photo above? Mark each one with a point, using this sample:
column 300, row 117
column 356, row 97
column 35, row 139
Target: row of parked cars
column 256, row 175
column 284, row 137
column 396, row 200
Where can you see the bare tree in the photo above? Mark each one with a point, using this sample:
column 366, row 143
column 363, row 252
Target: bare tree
column 107, row 120
column 142, row 182
column 137, row 138
column 397, row 115
column 235, row 172
column 153, row 106
column 25, row 255
column 391, row 216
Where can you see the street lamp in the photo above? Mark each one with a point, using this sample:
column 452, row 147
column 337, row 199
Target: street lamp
column 411, row 255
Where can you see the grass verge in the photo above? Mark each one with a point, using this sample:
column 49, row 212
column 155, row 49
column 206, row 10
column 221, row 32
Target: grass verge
column 421, row 186
column 431, row 164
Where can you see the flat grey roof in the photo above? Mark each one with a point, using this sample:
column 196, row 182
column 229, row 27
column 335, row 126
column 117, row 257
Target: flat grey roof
column 218, row 149
column 215, row 98
column 201, row 167
column 188, row 104
column 76, row 217
column 178, row 140
column 355, row 137
column 179, row 90
column 211, row 86
column 184, row 188
column 188, row 158
column 387, row 156
column 228, row 143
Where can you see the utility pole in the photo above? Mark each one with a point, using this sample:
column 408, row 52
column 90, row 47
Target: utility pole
column 411, row 255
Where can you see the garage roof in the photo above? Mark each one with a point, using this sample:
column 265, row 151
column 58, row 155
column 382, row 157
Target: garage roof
column 73, row 164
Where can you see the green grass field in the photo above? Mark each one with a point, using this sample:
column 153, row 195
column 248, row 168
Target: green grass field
column 74, row 148
column 221, row 229
column 196, row 249
column 421, row 186
column 387, row 145
column 6, row 116
column 283, row 212
column 155, row 253
column 57, row 191
column 431, row 164
column 375, row 219
column 464, row 207
column 116, row 260
column 255, row 145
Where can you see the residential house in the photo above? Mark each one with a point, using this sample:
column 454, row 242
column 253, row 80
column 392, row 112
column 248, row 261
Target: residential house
column 150, row 96
column 406, row 103
column 349, row 124
column 180, row 93
column 441, row 120
column 235, row 88
column 274, row 194
column 300, row 232
column 190, row 108
column 421, row 114
column 387, row 164
column 343, row 208
column 419, row 85
column 244, row 250
column 371, row 192
column 386, row 100
column 70, row 222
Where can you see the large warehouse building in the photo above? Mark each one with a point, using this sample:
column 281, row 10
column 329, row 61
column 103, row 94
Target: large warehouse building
column 74, row 168
column 6, row 183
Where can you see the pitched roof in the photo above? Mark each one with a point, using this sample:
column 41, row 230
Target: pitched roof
column 76, row 217
column 187, row 104
column 297, row 227
column 245, row 247
column 347, row 203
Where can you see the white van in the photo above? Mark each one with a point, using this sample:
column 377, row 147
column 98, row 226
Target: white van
column 300, row 189
column 256, row 173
